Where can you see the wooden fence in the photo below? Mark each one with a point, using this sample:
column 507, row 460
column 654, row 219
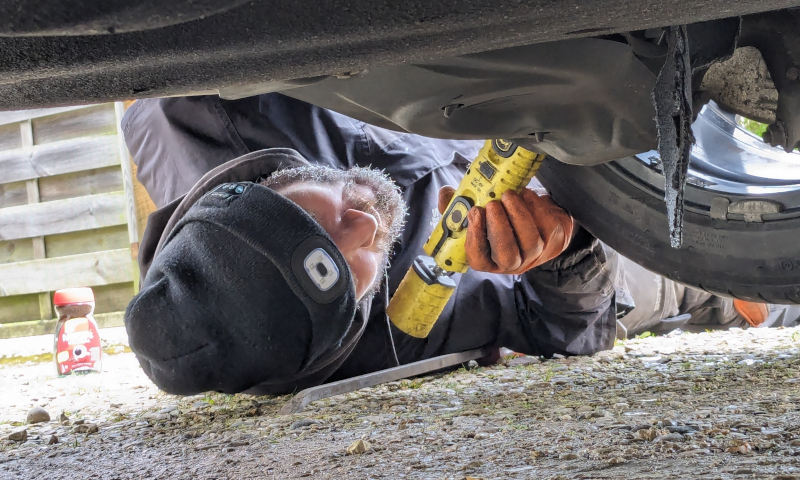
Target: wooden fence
column 67, row 214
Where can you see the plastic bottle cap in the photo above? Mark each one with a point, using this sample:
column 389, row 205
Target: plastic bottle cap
column 73, row 295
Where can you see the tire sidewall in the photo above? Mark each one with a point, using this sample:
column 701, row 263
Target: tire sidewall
column 751, row 260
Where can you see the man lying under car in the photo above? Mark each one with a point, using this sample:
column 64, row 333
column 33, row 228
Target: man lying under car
column 253, row 191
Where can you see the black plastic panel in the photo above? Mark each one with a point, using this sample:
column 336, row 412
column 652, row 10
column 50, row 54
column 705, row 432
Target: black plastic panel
column 584, row 101
column 279, row 40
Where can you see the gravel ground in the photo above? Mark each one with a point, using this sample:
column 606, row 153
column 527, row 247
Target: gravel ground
column 706, row 405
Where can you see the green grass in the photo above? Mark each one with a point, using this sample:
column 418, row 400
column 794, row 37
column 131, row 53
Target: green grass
column 411, row 384
column 43, row 357
column 752, row 126
column 48, row 357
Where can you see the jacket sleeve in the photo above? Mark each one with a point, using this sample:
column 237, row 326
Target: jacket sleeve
column 565, row 306
column 568, row 305
column 175, row 141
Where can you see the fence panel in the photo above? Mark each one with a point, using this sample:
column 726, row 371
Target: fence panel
column 66, row 214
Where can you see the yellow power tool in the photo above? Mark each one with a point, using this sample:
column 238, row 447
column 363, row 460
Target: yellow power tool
column 427, row 286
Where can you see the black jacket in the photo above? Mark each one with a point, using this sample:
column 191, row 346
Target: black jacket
column 565, row 306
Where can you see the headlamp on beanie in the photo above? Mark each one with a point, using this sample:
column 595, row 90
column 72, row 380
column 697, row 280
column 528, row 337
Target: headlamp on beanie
column 247, row 291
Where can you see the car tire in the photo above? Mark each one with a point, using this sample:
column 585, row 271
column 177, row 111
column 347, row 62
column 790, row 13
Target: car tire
column 756, row 260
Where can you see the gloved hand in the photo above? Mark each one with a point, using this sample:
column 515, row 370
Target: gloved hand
column 514, row 234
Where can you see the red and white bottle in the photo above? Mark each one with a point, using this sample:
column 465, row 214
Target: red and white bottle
column 77, row 340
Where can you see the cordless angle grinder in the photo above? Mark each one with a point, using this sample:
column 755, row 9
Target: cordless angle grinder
column 427, row 286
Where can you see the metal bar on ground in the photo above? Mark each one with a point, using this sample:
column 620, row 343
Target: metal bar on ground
column 304, row 397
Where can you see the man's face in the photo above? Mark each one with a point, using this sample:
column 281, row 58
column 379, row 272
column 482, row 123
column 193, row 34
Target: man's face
column 361, row 210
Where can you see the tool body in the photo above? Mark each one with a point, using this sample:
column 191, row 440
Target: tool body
column 427, row 286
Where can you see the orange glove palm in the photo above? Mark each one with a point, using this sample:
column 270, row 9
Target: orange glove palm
column 514, row 234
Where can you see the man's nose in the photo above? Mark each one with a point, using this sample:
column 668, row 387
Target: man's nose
column 359, row 230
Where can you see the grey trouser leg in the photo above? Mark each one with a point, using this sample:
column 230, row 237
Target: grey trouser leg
column 657, row 301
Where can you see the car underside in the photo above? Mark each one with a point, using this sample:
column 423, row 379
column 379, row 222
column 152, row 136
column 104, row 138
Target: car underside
column 608, row 89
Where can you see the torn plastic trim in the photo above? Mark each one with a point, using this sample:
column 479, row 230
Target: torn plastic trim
column 672, row 99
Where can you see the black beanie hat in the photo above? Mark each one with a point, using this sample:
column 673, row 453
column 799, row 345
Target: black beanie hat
column 245, row 293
